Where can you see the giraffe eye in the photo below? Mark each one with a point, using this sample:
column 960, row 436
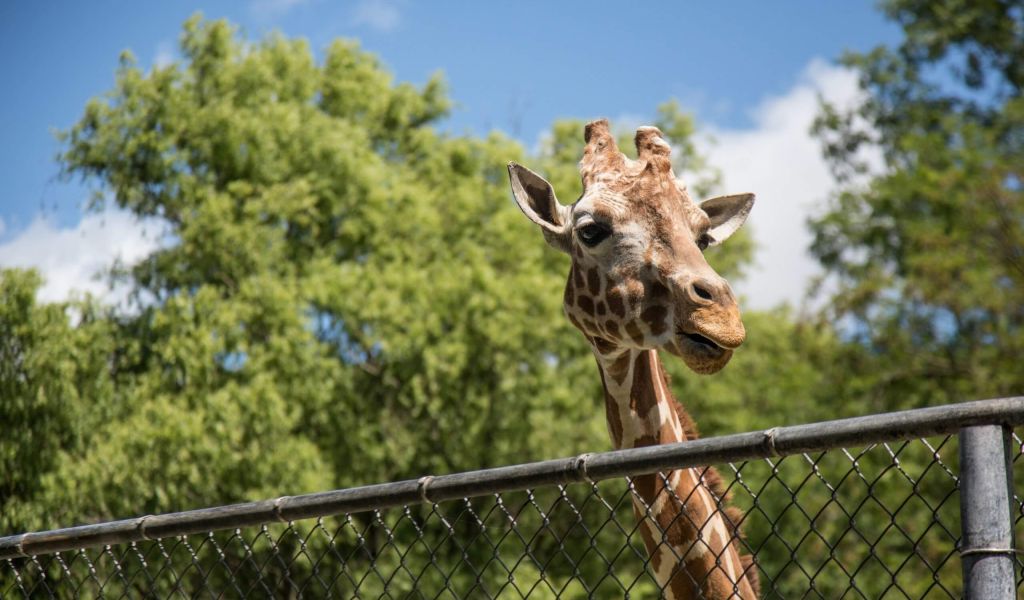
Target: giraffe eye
column 703, row 242
column 593, row 234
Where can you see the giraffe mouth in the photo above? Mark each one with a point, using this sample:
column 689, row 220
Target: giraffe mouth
column 702, row 343
column 701, row 353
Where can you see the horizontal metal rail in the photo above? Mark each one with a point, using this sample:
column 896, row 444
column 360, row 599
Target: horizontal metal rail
column 778, row 441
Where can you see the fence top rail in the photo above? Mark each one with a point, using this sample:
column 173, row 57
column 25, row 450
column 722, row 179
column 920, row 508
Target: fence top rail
column 776, row 441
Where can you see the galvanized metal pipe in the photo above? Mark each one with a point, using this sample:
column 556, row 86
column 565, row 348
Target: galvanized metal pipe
column 986, row 488
column 779, row 441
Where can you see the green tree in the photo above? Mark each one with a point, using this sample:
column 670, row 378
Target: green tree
column 347, row 290
column 927, row 254
column 50, row 372
column 922, row 249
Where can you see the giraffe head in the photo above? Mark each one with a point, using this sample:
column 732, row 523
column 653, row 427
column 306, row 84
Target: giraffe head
column 639, row 278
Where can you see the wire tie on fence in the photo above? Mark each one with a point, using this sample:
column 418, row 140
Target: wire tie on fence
column 277, row 509
column 21, row 544
column 973, row 551
column 580, row 467
column 769, row 440
column 141, row 527
column 421, row 487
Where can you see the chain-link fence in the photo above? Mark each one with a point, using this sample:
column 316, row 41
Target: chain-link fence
column 858, row 508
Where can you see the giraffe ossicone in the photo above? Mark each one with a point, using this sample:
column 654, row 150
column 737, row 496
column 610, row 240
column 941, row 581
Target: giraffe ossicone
column 639, row 283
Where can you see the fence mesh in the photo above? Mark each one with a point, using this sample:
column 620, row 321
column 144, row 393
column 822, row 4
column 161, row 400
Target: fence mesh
column 874, row 522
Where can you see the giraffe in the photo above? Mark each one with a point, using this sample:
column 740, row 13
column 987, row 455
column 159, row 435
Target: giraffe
column 639, row 283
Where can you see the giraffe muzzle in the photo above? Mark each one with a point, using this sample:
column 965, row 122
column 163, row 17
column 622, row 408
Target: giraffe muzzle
column 708, row 348
column 727, row 341
column 713, row 324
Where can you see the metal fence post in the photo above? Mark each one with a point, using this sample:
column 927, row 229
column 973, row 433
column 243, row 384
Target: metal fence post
column 986, row 546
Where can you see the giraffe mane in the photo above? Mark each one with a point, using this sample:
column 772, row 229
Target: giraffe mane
column 712, row 479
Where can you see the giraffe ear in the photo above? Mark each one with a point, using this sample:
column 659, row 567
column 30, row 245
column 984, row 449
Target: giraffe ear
column 727, row 214
column 536, row 198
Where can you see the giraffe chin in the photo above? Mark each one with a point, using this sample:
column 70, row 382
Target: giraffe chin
column 700, row 354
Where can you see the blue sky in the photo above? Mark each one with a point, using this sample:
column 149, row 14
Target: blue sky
column 510, row 66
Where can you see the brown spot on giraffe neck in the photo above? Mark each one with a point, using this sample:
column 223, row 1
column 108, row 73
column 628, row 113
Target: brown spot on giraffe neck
column 646, row 486
column 603, row 346
column 577, row 276
column 654, row 316
column 594, row 281
column 619, row 370
column 643, row 396
column 586, row 304
column 635, row 333
column 658, row 290
column 611, row 410
column 616, row 304
column 649, row 541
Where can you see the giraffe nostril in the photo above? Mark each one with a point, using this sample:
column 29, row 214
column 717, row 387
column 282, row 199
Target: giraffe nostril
column 702, row 292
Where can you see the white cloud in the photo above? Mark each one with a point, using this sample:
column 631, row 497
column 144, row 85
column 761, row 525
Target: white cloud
column 164, row 54
column 381, row 15
column 779, row 161
column 71, row 259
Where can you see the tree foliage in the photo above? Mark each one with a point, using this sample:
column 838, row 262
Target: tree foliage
column 345, row 299
column 928, row 251
column 347, row 296
column 50, row 375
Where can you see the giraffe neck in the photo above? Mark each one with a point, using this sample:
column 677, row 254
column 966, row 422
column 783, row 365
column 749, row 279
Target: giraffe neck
column 640, row 408
column 691, row 547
